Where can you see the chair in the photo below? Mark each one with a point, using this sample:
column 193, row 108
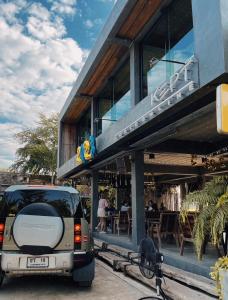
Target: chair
column 186, row 234
column 167, row 225
column 151, row 218
column 123, row 222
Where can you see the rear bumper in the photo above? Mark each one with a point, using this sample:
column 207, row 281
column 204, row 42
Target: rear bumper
column 16, row 263
column 59, row 263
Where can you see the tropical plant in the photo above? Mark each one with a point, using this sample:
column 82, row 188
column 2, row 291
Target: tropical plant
column 220, row 265
column 38, row 154
column 212, row 205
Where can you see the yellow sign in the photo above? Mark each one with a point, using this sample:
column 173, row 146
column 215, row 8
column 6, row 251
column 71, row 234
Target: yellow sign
column 222, row 108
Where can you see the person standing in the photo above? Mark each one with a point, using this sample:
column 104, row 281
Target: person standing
column 101, row 214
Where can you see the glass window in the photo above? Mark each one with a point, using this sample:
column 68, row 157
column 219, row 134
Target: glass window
column 115, row 99
column 167, row 46
column 62, row 201
column 84, row 127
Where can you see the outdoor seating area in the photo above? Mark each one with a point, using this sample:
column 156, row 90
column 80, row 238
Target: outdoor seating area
column 167, row 210
column 167, row 228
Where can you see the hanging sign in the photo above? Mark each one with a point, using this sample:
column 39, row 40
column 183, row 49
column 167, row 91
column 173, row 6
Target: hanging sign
column 222, row 108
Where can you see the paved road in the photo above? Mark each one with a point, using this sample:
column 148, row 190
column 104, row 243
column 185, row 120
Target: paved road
column 107, row 285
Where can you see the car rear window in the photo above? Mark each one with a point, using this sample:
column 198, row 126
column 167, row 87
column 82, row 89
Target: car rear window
column 65, row 202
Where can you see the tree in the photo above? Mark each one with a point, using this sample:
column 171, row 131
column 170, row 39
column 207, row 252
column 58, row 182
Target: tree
column 38, row 154
column 212, row 204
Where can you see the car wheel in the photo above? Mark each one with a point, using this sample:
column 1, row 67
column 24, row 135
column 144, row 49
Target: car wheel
column 84, row 275
column 85, row 283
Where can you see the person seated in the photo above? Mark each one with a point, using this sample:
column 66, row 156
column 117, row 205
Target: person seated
column 111, row 209
column 162, row 207
column 124, row 207
column 154, row 207
column 152, row 211
column 150, row 206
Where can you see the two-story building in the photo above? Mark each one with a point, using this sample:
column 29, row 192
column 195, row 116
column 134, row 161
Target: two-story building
column 147, row 92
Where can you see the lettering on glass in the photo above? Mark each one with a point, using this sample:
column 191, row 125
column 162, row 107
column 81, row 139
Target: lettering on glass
column 180, row 85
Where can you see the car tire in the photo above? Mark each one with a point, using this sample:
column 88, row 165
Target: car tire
column 84, row 275
column 85, row 283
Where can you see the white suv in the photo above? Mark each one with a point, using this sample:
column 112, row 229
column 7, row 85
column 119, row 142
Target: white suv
column 43, row 231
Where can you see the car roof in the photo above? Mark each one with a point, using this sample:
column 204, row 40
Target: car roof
column 68, row 189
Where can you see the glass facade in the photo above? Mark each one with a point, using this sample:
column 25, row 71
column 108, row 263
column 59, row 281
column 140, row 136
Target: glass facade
column 84, row 127
column 115, row 100
column 167, row 46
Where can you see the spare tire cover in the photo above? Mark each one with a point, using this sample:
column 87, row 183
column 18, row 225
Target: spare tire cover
column 38, row 224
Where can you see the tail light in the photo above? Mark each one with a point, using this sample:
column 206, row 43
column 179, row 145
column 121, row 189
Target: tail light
column 2, row 228
column 77, row 234
column 77, row 228
column 78, row 237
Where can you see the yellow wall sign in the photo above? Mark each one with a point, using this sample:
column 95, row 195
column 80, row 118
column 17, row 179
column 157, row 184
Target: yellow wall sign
column 222, row 108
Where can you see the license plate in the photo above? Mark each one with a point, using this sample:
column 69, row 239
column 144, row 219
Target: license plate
column 38, row 262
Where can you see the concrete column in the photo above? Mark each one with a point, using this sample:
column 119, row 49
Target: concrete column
column 135, row 74
column 137, row 192
column 94, row 200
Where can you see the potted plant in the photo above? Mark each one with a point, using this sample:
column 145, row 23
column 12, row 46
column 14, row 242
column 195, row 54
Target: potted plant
column 220, row 275
column 211, row 203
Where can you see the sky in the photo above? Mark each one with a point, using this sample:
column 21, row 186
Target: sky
column 43, row 46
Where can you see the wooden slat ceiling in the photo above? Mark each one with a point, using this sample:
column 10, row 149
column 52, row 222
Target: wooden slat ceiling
column 105, row 67
column 176, row 159
column 77, row 108
column 140, row 15
column 135, row 21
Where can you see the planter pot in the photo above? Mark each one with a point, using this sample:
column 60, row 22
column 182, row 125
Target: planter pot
column 223, row 274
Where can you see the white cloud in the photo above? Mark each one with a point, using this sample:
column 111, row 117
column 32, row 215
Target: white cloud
column 98, row 21
column 39, row 11
column 38, row 66
column 64, row 7
column 43, row 25
column 45, row 29
column 8, row 144
column 89, row 24
column 9, row 10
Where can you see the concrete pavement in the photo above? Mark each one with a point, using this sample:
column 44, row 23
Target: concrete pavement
column 107, row 285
